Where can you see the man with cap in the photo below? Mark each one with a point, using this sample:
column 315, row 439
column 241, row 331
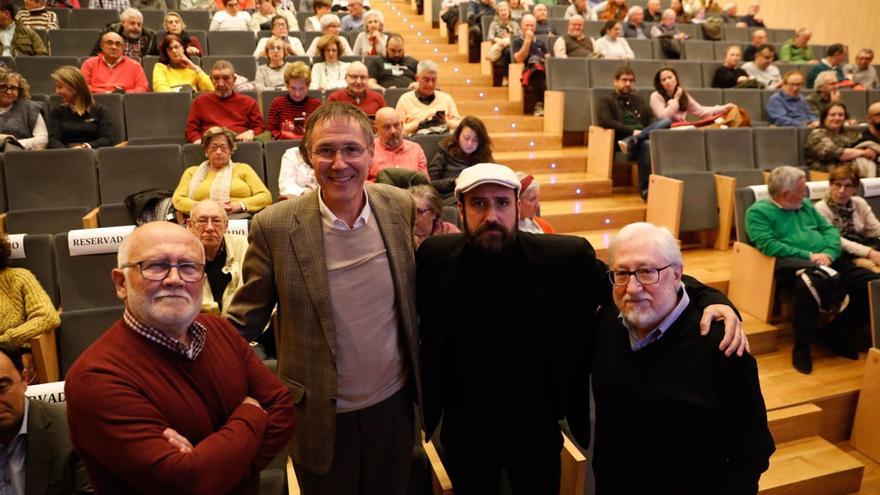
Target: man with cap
column 507, row 319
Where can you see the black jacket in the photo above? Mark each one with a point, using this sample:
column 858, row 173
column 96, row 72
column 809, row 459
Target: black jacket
column 610, row 117
column 148, row 38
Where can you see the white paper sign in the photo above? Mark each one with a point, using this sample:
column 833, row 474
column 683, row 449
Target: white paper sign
column 17, row 242
column 870, row 187
column 47, row 392
column 818, row 189
column 97, row 241
column 761, row 192
column 238, row 227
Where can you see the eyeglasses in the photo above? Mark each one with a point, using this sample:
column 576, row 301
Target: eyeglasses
column 203, row 223
column 218, row 147
column 644, row 276
column 422, row 211
column 157, row 270
column 349, row 152
column 841, row 185
column 113, row 43
column 6, row 87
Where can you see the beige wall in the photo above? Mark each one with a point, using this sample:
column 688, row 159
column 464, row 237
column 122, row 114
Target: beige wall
column 855, row 23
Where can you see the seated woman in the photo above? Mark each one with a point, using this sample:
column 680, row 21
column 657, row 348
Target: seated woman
column 612, row 45
column 853, row 217
column 296, row 176
column 292, row 44
column 234, row 185
column 330, row 26
column 468, row 145
column 288, row 113
column 25, row 309
column 529, row 221
column 832, row 144
column 78, row 122
column 612, row 10
column 677, row 8
column 270, row 76
column 670, row 101
column 22, row 119
column 174, row 25
column 518, row 9
column 371, row 42
column 231, row 18
column 730, row 74
column 502, row 29
column 175, row 71
column 429, row 213
column 329, row 74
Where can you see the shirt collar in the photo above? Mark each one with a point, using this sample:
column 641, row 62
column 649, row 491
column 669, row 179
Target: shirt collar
column 22, row 431
column 108, row 64
column 198, row 335
column 329, row 219
column 636, row 343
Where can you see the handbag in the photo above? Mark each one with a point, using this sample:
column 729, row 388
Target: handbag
column 826, row 287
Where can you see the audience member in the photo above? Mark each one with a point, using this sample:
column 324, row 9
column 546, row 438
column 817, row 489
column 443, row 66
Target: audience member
column 117, row 5
column 18, row 39
column 395, row 69
column 288, row 5
column 531, row 52
column 517, row 9
column 653, row 12
column 831, row 144
column 581, row 8
column 174, row 25
column 612, row 10
column 312, row 256
column 824, row 93
column 635, row 26
column 206, row 5
column 321, row 8
column 730, row 75
column 835, row 56
column 796, row 50
column 426, row 108
column 170, row 400
column 35, row 15
column 78, row 122
column 296, row 176
column 149, row 4
column 224, row 108
column 542, row 21
column 670, row 101
column 355, row 18
column 730, row 16
column 762, row 69
column 292, row 44
column 632, row 120
column 111, row 71
column 788, row 107
column 666, row 28
column 787, row 226
column 872, row 133
column 25, row 309
column 390, row 150
column 574, row 43
column 759, row 39
column 224, row 255
column 356, row 92
column 862, row 73
column 678, row 9
column 371, row 42
column 476, row 10
column 650, row 360
column 288, row 113
column 502, row 29
column 529, row 205
column 429, row 213
column 175, row 71
column 330, row 73
column 330, row 26
column 468, row 145
column 23, row 125
column 40, row 456
column 235, row 186
column 262, row 18
column 270, row 76
column 612, row 45
column 231, row 18
column 752, row 19
column 139, row 41
column 852, row 216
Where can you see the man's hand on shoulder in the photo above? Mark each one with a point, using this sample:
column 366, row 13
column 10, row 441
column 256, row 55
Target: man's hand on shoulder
column 735, row 339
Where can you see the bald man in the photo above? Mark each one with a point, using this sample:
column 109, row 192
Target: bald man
column 357, row 93
column 110, row 71
column 390, row 150
column 872, row 133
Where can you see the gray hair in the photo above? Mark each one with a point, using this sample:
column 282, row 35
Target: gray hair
column 633, row 10
column 427, row 66
column 223, row 65
column 576, row 17
column 373, row 13
column 783, row 178
column 825, row 77
column 130, row 13
column 329, row 19
column 867, row 51
column 661, row 237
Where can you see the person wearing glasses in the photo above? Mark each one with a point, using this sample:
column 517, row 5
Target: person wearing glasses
column 356, row 92
column 23, row 126
column 224, row 254
column 429, row 213
column 235, row 186
column 171, row 400
column 853, row 217
column 338, row 262
column 270, row 76
column 111, row 71
column 697, row 414
column 224, row 108
column 788, row 107
column 231, row 18
column 292, row 44
column 175, row 71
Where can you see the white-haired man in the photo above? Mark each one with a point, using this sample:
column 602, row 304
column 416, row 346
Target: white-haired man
column 426, row 107
column 697, row 414
column 139, row 40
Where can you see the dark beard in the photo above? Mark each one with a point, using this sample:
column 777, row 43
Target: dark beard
column 490, row 244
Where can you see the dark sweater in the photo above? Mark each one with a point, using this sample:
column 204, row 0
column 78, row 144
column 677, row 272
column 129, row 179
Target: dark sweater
column 725, row 77
column 676, row 416
column 610, row 116
column 444, row 169
column 67, row 128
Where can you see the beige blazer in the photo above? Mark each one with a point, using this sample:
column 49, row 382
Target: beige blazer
column 285, row 263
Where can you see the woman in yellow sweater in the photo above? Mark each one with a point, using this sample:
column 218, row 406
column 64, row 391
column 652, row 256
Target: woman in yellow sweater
column 25, row 308
column 235, row 185
column 175, row 70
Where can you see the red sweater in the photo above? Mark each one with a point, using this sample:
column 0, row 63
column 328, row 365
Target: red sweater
column 284, row 112
column 124, row 390
column 370, row 104
column 237, row 113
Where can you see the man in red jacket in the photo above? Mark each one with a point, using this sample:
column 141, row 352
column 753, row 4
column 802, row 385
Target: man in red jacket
column 167, row 400
column 224, row 108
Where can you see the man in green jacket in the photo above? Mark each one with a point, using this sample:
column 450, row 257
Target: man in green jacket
column 796, row 50
column 17, row 39
column 788, row 227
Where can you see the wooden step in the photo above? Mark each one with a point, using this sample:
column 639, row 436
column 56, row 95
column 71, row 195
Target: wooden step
column 453, row 68
column 571, row 215
column 572, row 185
column 471, row 81
column 811, row 465
column 558, row 160
column 793, row 423
column 487, row 94
column 427, row 49
column 763, row 336
column 512, row 141
column 506, row 123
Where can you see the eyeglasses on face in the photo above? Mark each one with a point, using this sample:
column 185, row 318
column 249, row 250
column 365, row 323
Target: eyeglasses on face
column 203, row 223
column 9, row 87
column 644, row 276
column 158, row 270
column 349, row 152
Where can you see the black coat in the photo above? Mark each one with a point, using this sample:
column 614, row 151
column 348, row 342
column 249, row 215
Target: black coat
column 609, row 115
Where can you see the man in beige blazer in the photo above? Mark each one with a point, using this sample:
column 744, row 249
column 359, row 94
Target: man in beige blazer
column 339, row 262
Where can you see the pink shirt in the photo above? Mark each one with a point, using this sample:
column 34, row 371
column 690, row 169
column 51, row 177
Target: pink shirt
column 126, row 74
column 409, row 156
column 669, row 109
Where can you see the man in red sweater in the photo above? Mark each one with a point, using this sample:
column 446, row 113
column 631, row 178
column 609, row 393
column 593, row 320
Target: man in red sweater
column 111, row 71
column 225, row 108
column 167, row 400
column 356, row 93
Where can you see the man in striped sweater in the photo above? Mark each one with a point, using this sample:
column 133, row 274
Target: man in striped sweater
column 35, row 15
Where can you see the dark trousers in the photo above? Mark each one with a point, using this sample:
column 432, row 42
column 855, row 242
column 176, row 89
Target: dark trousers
column 640, row 150
column 372, row 453
column 477, row 453
column 534, row 92
column 806, row 311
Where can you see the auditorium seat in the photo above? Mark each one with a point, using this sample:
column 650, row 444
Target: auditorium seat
column 39, row 259
column 84, row 281
column 721, row 47
column 394, row 94
column 64, row 17
column 693, row 31
column 644, row 70
column 708, row 69
column 706, row 96
column 730, row 152
column 4, row 204
column 750, row 99
column 156, row 117
column 593, row 29
column 775, row 146
column 578, row 109
column 602, row 72
column 301, row 20
column 154, row 19
column 73, row 42
column 856, row 104
column 643, row 49
column 430, row 144
column 245, row 65
column 80, row 328
column 563, row 73
column 93, row 18
column 307, row 38
column 250, row 153
column 869, row 188
column 676, row 151
column 735, row 34
column 37, row 71
column 49, row 191
column 690, row 74
column 231, row 43
column 780, row 35
column 273, row 151
column 196, row 20
column 752, row 286
column 699, row 50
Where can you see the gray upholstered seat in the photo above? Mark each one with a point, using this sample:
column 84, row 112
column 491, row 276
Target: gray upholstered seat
column 73, row 42
column 128, row 170
column 156, row 115
column 231, row 43
column 678, row 151
column 273, row 151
